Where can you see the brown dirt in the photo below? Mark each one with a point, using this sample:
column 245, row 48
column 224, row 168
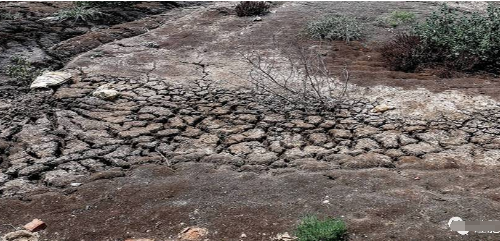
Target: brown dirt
column 156, row 202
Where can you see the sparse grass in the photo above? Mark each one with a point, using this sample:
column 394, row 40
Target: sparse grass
column 313, row 229
column 22, row 70
column 335, row 27
column 248, row 8
column 79, row 13
column 10, row 16
column 397, row 18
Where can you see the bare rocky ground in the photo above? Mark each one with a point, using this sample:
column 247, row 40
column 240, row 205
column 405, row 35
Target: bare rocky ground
column 187, row 144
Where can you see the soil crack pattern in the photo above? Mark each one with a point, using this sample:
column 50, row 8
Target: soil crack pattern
column 152, row 121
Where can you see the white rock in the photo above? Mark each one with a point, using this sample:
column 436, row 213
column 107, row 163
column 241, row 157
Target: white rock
column 21, row 235
column 49, row 19
column 256, row 19
column 75, row 184
column 284, row 237
column 49, row 79
column 104, row 92
column 382, row 108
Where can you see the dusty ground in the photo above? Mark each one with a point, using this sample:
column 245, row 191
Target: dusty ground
column 186, row 144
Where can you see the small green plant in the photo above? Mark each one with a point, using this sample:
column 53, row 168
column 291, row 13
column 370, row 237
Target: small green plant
column 335, row 27
column 10, row 16
column 251, row 8
column 79, row 13
column 397, row 18
column 313, row 229
column 22, row 70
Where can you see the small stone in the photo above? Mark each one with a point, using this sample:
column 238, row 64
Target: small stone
column 75, row 184
column 49, row 79
column 193, row 234
column 105, row 93
column 284, row 237
column 35, row 225
column 139, row 239
column 243, row 235
column 257, row 19
column 382, row 108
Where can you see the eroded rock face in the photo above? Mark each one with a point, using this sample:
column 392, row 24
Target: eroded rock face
column 155, row 122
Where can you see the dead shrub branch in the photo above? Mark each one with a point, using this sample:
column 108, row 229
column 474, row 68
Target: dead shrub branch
column 296, row 74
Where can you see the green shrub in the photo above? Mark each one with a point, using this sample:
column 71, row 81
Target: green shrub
column 248, row 8
column 313, row 229
column 473, row 34
column 22, row 70
column 335, row 27
column 397, row 18
column 79, row 13
column 456, row 41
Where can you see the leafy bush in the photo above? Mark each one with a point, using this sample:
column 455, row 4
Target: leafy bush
column 397, row 18
column 248, row 8
column 456, row 41
column 79, row 13
column 336, row 27
column 22, row 70
column 313, row 229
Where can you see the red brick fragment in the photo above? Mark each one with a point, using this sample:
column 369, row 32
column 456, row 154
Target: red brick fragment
column 35, row 225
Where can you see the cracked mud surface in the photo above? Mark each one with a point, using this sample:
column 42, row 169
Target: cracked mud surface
column 187, row 142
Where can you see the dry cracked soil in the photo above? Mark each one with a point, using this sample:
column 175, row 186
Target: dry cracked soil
column 188, row 143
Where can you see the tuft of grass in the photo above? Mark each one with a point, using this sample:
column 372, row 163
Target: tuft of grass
column 79, row 13
column 22, row 70
column 335, row 27
column 10, row 16
column 251, row 8
column 313, row 229
column 400, row 17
